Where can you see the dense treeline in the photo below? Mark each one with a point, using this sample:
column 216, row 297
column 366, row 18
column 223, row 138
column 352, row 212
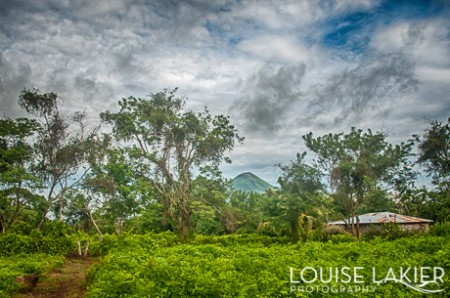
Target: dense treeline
column 140, row 178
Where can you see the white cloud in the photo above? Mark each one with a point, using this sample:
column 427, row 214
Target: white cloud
column 433, row 74
column 278, row 48
column 285, row 15
column 427, row 41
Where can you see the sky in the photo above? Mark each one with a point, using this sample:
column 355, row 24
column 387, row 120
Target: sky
column 279, row 69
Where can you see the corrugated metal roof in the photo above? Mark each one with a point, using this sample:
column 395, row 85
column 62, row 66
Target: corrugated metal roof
column 383, row 217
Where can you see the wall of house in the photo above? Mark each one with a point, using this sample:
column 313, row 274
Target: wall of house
column 406, row 227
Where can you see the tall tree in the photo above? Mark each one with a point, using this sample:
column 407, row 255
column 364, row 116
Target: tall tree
column 16, row 178
column 434, row 154
column 175, row 141
column 210, row 210
column 62, row 146
column 302, row 185
column 118, row 182
column 358, row 163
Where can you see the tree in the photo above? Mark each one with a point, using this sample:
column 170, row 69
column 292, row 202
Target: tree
column 119, row 184
column 16, row 178
column 434, row 154
column 302, row 185
column 357, row 164
column 175, row 141
column 300, row 178
column 62, row 146
column 243, row 212
column 210, row 211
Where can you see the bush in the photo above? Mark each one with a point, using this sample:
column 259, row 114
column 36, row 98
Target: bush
column 12, row 244
column 440, row 229
column 342, row 238
column 37, row 242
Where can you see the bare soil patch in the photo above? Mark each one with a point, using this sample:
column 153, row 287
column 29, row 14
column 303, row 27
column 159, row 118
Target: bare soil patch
column 66, row 281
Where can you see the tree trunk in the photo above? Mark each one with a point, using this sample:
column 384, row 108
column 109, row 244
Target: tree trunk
column 352, row 223
column 97, row 228
column 357, row 226
column 18, row 205
column 49, row 202
column 184, row 221
column 44, row 216
column 294, row 230
column 60, row 209
column 86, row 248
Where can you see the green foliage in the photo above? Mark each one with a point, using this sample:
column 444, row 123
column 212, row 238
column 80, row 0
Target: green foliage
column 52, row 240
column 16, row 177
column 360, row 166
column 119, row 187
column 326, row 233
column 62, row 147
column 245, row 212
column 242, row 266
column 21, row 265
column 210, row 210
column 435, row 153
column 149, row 220
column 440, row 229
column 173, row 140
column 11, row 244
column 342, row 238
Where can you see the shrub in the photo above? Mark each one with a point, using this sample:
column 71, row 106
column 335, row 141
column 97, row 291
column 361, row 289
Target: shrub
column 37, row 242
column 440, row 229
column 342, row 238
column 22, row 265
column 11, row 244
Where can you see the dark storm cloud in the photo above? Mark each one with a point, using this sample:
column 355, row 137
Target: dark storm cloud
column 62, row 46
column 415, row 35
column 271, row 92
column 91, row 89
column 367, row 86
column 12, row 80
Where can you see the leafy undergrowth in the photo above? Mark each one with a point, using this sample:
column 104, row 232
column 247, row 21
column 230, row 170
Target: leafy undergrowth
column 139, row 266
column 22, row 266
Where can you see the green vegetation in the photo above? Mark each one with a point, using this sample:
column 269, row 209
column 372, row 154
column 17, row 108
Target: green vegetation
column 23, row 265
column 252, row 266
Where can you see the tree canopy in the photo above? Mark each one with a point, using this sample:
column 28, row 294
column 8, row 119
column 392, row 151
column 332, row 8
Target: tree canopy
column 174, row 140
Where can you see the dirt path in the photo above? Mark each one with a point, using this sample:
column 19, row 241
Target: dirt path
column 67, row 281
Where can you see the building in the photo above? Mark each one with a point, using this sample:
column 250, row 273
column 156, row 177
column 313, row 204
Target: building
column 378, row 219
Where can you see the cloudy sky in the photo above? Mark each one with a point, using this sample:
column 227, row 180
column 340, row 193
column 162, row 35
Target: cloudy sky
column 279, row 68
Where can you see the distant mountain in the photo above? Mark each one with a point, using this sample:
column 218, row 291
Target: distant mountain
column 249, row 182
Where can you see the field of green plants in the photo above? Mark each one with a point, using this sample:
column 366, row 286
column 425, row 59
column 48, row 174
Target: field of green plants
column 246, row 265
column 256, row 266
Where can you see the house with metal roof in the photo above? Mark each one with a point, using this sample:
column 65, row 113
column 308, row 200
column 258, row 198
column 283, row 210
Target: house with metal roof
column 377, row 219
